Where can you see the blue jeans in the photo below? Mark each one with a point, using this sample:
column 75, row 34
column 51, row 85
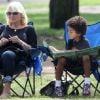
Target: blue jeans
column 9, row 65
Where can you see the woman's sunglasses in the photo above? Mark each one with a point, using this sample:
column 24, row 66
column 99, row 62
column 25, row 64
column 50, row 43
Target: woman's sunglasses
column 12, row 13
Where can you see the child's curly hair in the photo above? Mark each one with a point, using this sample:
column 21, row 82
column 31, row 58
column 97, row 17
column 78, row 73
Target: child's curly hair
column 78, row 23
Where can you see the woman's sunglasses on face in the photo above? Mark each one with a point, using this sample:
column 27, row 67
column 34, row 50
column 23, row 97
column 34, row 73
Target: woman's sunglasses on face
column 12, row 13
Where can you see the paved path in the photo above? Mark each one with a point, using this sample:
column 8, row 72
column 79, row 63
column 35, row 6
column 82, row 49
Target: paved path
column 3, row 1
column 90, row 9
column 82, row 9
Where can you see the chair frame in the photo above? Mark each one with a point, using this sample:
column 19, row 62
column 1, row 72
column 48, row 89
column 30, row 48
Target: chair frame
column 74, row 80
column 32, row 87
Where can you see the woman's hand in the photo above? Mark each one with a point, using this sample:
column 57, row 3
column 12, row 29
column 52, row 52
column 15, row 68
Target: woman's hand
column 14, row 39
column 3, row 41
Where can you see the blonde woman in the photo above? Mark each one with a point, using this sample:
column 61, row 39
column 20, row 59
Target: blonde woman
column 17, row 34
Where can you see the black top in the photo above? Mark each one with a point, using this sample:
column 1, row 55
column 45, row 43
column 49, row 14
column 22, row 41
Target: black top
column 82, row 44
column 27, row 34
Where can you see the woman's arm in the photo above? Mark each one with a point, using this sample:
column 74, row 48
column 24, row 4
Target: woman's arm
column 30, row 42
column 24, row 45
column 31, row 37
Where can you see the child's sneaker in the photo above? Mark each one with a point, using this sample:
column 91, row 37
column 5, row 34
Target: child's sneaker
column 86, row 90
column 58, row 92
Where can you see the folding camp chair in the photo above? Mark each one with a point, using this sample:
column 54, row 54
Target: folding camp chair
column 92, row 34
column 97, row 85
column 25, row 86
column 97, row 76
column 37, row 58
column 94, row 41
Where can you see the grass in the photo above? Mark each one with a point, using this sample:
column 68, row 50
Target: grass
column 89, row 2
column 46, row 78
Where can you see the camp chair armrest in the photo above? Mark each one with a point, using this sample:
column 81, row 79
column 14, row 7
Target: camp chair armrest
column 34, row 52
column 73, row 54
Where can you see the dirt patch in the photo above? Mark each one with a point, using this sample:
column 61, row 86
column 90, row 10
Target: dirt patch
column 49, row 39
column 48, row 67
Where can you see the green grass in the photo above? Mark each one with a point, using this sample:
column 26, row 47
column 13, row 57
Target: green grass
column 91, row 18
column 89, row 2
column 46, row 78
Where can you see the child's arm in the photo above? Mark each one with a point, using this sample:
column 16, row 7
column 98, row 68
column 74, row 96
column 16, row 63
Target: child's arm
column 74, row 49
column 54, row 49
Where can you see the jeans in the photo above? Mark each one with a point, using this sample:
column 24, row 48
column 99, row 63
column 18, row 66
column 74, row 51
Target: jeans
column 9, row 61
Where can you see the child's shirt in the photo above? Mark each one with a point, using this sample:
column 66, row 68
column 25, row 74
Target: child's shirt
column 81, row 44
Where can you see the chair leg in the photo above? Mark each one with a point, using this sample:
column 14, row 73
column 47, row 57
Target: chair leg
column 96, row 88
column 32, row 88
column 74, row 80
column 27, row 80
column 22, row 88
column 33, row 82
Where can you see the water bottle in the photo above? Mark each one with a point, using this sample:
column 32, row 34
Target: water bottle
column 37, row 65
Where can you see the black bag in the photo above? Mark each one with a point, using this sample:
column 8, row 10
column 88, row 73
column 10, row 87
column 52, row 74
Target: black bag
column 48, row 90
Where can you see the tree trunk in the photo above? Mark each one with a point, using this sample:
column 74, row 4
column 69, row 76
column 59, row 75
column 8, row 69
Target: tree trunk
column 62, row 10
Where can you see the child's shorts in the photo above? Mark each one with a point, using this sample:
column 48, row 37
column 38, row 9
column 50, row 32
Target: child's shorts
column 75, row 66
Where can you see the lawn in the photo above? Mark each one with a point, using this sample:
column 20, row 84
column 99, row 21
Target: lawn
column 53, row 37
column 46, row 78
column 89, row 2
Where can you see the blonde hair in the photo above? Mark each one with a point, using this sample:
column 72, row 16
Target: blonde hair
column 17, row 7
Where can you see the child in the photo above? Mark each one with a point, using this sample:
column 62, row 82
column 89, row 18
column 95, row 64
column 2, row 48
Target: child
column 77, row 28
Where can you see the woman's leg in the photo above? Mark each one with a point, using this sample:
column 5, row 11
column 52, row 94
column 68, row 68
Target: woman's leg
column 6, row 90
column 8, row 66
column 8, row 63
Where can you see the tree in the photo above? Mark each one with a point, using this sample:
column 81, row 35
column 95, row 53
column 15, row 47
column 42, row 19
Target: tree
column 62, row 10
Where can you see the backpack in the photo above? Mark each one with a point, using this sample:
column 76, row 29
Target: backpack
column 48, row 90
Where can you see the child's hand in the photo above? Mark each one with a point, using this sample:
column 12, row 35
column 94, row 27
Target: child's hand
column 54, row 49
column 75, row 49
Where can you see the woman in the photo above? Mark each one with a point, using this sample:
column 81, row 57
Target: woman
column 15, row 34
